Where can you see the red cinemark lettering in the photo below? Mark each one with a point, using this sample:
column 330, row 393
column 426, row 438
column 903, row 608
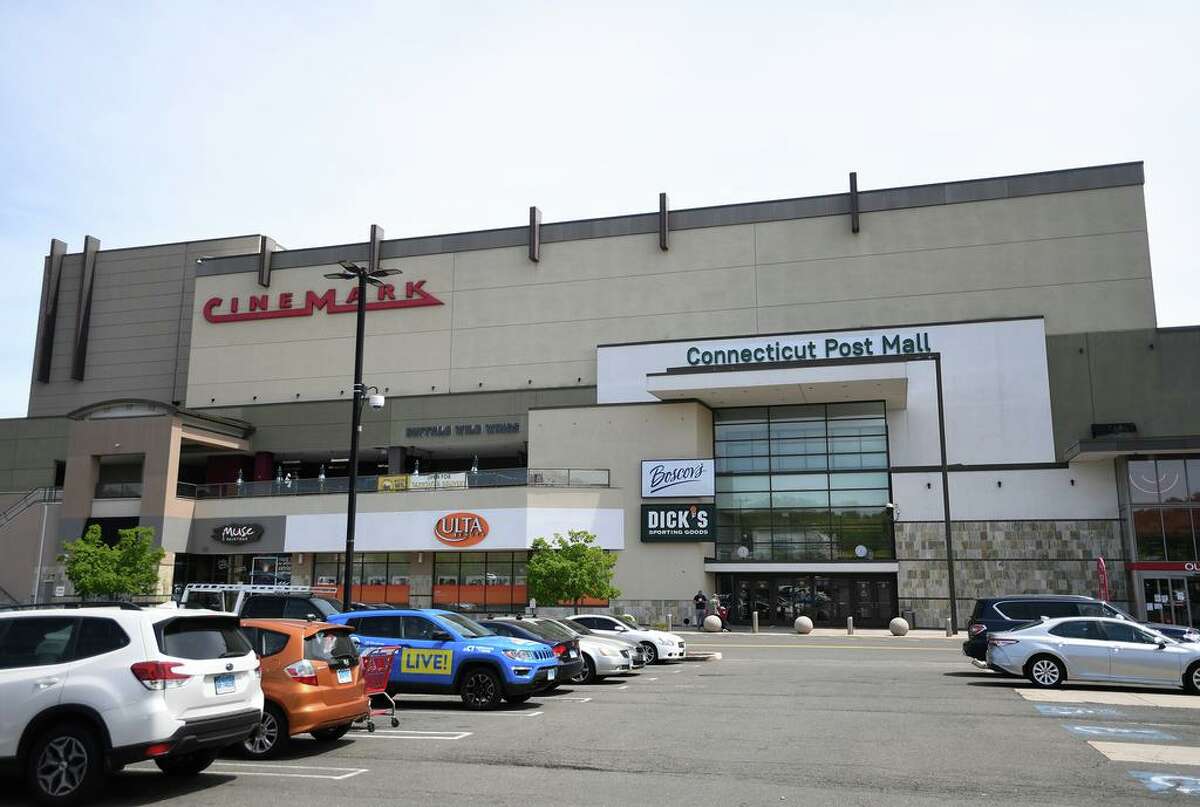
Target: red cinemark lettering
column 415, row 296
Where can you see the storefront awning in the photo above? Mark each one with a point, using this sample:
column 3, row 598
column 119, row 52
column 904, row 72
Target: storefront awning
column 1100, row 449
column 724, row 387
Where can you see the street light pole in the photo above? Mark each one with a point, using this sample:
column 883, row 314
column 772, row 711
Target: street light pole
column 364, row 275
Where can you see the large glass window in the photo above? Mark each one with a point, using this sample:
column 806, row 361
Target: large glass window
column 480, row 581
column 1163, row 513
column 803, row 482
column 378, row 578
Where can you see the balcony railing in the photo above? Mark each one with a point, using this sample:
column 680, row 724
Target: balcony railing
column 118, row 490
column 404, row 483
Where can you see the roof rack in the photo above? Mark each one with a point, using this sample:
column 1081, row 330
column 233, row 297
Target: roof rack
column 123, row 605
column 250, row 588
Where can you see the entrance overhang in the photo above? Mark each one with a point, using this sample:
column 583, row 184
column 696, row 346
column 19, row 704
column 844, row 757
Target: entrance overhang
column 732, row 386
column 859, row 567
column 1108, row 448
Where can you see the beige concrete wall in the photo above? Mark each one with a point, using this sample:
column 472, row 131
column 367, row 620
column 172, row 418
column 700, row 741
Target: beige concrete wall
column 139, row 337
column 1080, row 259
column 28, row 449
column 20, row 540
column 619, row 438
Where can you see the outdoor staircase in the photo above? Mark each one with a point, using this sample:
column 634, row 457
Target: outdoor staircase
column 35, row 496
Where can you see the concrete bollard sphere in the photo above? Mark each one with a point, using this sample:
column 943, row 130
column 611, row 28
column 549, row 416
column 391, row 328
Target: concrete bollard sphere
column 712, row 623
column 803, row 625
column 898, row 626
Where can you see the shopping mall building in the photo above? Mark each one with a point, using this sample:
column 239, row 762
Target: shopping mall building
column 851, row 404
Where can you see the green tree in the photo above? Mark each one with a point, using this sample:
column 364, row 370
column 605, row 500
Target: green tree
column 128, row 568
column 567, row 570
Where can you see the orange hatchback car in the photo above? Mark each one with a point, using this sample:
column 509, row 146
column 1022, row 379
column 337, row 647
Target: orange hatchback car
column 311, row 680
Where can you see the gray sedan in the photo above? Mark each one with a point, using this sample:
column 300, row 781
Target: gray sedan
column 1094, row 649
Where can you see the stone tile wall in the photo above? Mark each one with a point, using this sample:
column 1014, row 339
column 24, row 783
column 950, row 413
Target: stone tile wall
column 994, row 558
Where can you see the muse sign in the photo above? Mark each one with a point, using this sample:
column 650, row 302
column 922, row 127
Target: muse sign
column 662, row 478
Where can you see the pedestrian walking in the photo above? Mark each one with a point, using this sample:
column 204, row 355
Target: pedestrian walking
column 701, row 602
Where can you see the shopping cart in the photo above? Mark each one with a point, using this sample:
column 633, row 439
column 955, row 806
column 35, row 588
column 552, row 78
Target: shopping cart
column 376, row 670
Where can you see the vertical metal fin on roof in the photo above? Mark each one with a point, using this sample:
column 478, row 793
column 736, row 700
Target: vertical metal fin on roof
column 854, row 202
column 535, row 234
column 83, row 316
column 48, row 314
column 266, row 245
column 375, row 250
column 664, row 222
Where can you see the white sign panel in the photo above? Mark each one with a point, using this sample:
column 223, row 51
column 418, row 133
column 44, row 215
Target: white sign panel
column 424, row 530
column 662, row 478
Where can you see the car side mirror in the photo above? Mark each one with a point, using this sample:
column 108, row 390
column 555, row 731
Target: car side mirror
column 1162, row 645
column 441, row 636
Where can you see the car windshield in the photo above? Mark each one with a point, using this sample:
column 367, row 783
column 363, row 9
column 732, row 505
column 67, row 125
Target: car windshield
column 469, row 628
column 547, row 630
column 556, row 630
column 582, row 630
column 328, row 645
column 327, row 606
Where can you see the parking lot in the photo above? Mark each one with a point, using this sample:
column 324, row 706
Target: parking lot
column 780, row 719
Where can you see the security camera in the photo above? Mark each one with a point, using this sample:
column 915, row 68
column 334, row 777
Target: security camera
column 376, row 401
column 890, row 506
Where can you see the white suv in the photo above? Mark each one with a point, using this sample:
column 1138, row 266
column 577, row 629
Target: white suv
column 85, row 692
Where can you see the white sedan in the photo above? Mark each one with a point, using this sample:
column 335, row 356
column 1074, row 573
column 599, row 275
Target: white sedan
column 659, row 645
column 1095, row 649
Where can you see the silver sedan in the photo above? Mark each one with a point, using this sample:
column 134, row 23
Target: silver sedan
column 1094, row 649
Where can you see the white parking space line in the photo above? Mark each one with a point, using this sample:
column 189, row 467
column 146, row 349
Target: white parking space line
column 1155, row 754
column 402, row 734
column 676, row 672
column 624, row 686
column 449, row 713
column 570, row 699
column 1166, row 700
column 267, row 769
column 651, row 679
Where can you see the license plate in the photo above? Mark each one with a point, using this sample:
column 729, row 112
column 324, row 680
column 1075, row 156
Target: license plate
column 225, row 683
column 550, row 674
column 345, row 676
column 573, row 654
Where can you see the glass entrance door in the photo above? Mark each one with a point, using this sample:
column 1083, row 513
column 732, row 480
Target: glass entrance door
column 825, row 599
column 1167, row 600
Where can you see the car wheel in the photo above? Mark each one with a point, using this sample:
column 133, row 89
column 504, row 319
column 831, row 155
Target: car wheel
column 587, row 674
column 331, row 734
column 269, row 736
column 1045, row 672
column 64, row 766
column 1191, row 679
column 515, row 699
column 650, row 652
column 481, row 689
column 186, row 764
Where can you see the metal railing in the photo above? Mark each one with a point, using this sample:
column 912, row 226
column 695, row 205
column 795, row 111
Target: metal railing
column 35, row 496
column 118, row 490
column 402, row 483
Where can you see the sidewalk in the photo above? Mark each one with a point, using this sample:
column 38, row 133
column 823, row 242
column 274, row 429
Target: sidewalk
column 824, row 633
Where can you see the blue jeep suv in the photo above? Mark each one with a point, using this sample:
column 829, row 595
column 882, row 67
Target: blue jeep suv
column 447, row 653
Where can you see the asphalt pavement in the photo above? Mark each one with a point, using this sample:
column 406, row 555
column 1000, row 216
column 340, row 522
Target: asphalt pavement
column 863, row 720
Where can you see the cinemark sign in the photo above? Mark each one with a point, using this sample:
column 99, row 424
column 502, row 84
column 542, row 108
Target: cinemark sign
column 266, row 306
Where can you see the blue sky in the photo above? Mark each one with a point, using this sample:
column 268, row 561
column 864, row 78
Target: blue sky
column 153, row 122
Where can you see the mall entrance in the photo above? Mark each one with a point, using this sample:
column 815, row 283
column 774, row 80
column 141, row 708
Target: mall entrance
column 1172, row 600
column 827, row 599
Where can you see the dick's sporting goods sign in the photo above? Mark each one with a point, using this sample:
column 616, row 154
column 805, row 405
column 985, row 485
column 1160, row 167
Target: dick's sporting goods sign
column 682, row 478
column 678, row 522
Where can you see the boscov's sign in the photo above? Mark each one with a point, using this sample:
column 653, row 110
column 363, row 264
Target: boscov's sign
column 238, row 533
column 678, row 522
column 661, row 478
column 461, row 529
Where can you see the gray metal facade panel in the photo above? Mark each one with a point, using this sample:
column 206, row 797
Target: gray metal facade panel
column 83, row 311
column 878, row 200
column 48, row 315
